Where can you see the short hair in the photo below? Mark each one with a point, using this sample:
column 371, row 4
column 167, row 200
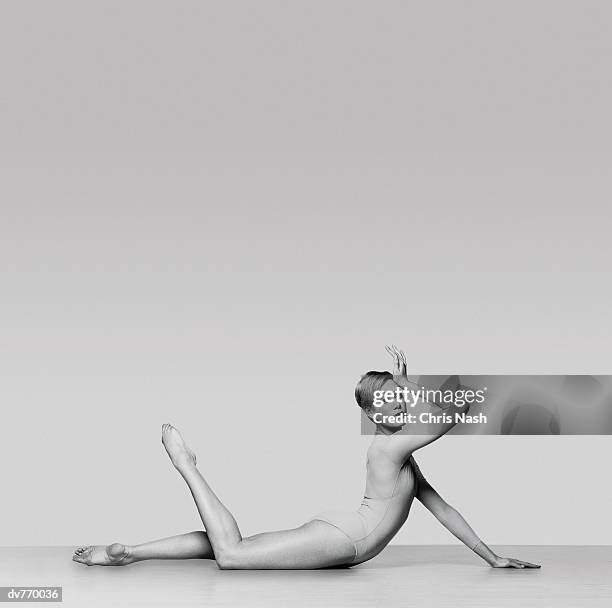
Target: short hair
column 368, row 383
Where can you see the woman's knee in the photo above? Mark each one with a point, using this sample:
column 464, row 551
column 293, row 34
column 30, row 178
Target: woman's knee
column 229, row 558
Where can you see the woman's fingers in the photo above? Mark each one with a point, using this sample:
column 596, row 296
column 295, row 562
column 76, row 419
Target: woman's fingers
column 404, row 364
column 390, row 351
column 510, row 562
column 528, row 564
column 517, row 563
column 396, row 361
column 399, row 360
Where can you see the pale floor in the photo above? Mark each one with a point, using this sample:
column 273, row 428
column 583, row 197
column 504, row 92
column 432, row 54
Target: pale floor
column 401, row 576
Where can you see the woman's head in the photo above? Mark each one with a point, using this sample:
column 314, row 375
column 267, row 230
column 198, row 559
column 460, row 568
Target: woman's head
column 368, row 396
column 367, row 386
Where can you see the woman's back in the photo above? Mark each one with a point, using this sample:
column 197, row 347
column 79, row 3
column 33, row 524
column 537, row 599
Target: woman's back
column 382, row 468
column 389, row 492
column 390, row 489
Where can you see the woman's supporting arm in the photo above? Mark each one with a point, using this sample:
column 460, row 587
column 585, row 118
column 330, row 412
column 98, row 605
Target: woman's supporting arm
column 454, row 522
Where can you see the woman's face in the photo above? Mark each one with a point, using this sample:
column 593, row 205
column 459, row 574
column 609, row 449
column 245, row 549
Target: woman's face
column 389, row 414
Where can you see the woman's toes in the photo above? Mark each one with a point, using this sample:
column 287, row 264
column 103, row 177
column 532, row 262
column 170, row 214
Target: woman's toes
column 80, row 554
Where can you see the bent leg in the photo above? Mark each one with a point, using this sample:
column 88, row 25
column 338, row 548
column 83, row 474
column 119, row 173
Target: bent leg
column 193, row 545
column 219, row 523
column 316, row 544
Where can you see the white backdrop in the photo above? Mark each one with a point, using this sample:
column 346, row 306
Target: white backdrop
column 217, row 214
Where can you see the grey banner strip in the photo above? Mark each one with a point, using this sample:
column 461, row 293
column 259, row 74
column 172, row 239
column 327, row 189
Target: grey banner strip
column 30, row 594
column 494, row 404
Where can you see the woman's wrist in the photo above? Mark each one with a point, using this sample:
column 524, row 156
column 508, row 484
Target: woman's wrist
column 485, row 552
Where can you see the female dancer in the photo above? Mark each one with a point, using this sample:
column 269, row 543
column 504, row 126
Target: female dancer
column 331, row 539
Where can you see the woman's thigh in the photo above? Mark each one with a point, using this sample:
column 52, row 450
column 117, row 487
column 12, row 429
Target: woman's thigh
column 316, row 544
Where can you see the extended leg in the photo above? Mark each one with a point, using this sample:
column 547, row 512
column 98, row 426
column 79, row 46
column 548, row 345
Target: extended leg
column 193, row 545
column 316, row 544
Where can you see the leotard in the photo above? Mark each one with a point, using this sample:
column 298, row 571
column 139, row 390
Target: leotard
column 377, row 520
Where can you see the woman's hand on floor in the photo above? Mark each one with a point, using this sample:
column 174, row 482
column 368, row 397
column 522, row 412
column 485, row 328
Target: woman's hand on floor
column 510, row 562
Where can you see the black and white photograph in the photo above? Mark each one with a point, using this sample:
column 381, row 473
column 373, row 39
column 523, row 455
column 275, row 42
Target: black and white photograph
column 306, row 303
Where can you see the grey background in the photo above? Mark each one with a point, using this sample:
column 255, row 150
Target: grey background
column 216, row 214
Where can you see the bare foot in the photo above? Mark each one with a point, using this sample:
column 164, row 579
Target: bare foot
column 179, row 453
column 99, row 555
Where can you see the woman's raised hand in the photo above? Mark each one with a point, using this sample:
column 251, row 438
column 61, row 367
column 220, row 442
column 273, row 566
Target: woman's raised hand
column 400, row 369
